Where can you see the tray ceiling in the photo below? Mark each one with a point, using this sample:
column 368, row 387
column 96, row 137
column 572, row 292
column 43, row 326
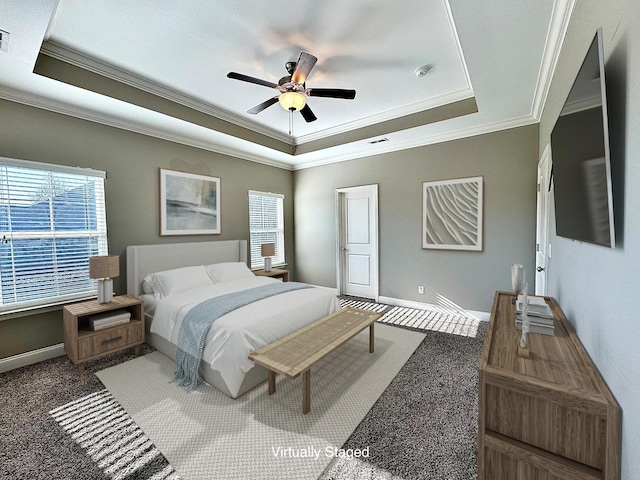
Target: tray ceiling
column 160, row 69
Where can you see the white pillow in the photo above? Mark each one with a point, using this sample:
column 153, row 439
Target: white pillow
column 177, row 280
column 146, row 286
column 226, row 271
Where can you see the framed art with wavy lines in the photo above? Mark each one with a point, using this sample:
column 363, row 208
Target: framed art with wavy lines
column 452, row 214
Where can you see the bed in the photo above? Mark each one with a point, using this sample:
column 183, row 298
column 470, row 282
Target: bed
column 173, row 278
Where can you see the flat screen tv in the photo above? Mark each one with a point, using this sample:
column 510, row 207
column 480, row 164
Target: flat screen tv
column 581, row 159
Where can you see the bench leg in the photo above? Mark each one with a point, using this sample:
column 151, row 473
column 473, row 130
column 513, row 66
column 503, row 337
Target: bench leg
column 271, row 378
column 306, row 391
column 371, row 338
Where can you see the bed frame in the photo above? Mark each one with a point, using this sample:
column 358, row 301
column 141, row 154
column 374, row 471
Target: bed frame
column 145, row 259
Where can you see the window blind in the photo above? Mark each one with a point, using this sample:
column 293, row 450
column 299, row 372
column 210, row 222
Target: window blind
column 266, row 225
column 52, row 219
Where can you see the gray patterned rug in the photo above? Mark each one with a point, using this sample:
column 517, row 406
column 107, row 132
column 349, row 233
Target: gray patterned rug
column 424, row 426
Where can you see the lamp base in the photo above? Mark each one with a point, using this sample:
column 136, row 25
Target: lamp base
column 524, row 352
column 105, row 290
column 267, row 264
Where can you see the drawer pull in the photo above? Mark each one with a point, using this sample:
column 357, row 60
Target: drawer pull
column 114, row 339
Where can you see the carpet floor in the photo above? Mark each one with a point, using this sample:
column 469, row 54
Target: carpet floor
column 424, row 426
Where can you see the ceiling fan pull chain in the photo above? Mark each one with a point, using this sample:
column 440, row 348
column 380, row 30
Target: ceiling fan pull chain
column 291, row 110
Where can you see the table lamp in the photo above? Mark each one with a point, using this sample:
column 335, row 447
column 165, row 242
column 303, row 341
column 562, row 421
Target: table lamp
column 268, row 250
column 104, row 268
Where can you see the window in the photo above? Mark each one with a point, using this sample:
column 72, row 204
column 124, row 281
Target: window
column 52, row 219
column 266, row 225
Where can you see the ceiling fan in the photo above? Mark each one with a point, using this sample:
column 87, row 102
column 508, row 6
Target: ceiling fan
column 293, row 91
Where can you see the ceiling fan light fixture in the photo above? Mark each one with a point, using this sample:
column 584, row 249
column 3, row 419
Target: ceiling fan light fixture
column 292, row 100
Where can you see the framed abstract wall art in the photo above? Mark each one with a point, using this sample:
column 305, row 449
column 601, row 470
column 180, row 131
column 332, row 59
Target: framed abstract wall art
column 189, row 203
column 452, row 214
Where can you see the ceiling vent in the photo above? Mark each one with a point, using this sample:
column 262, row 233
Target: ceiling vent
column 4, row 41
column 380, row 140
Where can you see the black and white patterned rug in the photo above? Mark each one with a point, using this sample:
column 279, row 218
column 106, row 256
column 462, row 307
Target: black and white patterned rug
column 99, row 424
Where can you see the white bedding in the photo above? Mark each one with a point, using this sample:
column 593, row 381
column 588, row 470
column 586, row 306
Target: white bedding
column 234, row 336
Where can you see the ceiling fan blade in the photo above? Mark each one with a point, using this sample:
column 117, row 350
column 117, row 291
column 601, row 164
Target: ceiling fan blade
column 263, row 105
column 303, row 67
column 331, row 93
column 247, row 78
column 307, row 114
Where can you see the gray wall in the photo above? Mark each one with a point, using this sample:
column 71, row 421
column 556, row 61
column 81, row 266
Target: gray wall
column 597, row 287
column 132, row 163
column 507, row 160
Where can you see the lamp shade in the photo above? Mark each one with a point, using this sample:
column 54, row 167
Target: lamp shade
column 292, row 100
column 268, row 249
column 104, row 266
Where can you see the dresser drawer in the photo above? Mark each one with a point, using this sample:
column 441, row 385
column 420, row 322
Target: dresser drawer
column 111, row 339
column 568, row 432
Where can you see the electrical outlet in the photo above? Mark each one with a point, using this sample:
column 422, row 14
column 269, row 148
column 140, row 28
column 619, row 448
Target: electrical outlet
column 421, row 289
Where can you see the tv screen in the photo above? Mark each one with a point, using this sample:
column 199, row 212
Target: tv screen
column 581, row 160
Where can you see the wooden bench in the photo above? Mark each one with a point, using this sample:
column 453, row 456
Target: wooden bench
column 296, row 353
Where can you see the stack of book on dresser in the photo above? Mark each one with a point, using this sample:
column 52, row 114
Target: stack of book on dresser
column 103, row 320
column 539, row 313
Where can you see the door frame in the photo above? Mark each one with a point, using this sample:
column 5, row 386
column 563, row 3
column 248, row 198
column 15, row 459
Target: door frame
column 543, row 206
column 339, row 204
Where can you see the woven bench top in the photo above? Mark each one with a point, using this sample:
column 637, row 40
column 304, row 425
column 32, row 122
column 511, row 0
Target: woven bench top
column 298, row 351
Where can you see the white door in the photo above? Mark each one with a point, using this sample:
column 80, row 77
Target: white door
column 542, row 222
column 357, row 242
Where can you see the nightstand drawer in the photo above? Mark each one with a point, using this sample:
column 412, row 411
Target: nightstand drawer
column 112, row 339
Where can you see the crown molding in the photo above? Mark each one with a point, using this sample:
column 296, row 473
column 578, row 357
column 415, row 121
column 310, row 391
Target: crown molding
column 117, row 74
column 560, row 17
column 380, row 149
column 452, row 24
column 96, row 66
column 37, row 101
column 435, row 102
column 390, row 147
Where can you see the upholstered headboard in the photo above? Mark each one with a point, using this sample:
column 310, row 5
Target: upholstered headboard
column 145, row 259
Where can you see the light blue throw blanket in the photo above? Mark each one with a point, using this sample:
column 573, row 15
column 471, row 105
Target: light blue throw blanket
column 197, row 322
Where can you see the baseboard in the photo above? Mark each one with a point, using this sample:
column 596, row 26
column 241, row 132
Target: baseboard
column 29, row 358
column 399, row 302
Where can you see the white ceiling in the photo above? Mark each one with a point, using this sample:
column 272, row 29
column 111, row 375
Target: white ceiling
column 500, row 53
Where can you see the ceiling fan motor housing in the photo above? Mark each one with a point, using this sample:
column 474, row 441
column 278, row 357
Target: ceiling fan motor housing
column 291, row 67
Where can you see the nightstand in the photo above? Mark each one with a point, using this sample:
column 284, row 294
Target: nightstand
column 275, row 273
column 81, row 343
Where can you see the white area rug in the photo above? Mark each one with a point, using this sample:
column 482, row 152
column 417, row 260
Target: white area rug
column 205, row 434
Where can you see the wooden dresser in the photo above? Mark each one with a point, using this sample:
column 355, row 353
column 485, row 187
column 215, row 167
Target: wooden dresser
column 547, row 417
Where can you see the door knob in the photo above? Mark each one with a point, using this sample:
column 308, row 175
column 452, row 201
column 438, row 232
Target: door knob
column 540, row 269
column 343, row 249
